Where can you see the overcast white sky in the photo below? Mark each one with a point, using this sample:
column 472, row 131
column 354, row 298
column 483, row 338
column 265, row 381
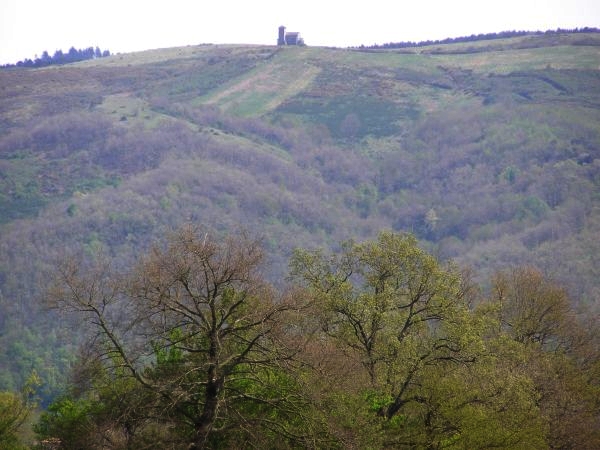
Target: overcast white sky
column 28, row 27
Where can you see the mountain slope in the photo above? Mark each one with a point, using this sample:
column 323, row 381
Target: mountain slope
column 489, row 152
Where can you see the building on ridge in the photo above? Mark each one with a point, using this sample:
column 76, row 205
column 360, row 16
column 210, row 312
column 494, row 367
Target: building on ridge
column 289, row 38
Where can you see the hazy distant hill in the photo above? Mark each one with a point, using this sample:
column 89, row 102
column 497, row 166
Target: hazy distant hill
column 488, row 151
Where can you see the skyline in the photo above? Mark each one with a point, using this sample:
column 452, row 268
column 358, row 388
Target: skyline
column 29, row 27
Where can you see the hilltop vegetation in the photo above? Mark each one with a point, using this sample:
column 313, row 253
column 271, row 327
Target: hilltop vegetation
column 73, row 55
column 530, row 40
column 490, row 158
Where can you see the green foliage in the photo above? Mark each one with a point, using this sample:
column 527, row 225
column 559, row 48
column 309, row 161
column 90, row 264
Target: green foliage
column 536, row 329
column 171, row 354
column 12, row 415
column 14, row 411
column 67, row 419
column 427, row 371
column 404, row 319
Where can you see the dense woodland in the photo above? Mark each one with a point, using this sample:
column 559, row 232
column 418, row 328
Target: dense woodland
column 375, row 346
column 153, row 288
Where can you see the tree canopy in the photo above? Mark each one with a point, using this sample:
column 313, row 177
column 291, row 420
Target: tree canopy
column 376, row 346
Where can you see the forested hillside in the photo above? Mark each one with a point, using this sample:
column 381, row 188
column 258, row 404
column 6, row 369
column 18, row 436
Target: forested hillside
column 488, row 152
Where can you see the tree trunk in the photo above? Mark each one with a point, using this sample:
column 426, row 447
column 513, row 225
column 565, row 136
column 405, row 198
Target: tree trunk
column 209, row 413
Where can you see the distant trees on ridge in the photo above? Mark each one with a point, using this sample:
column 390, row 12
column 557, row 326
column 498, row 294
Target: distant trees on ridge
column 59, row 57
column 478, row 37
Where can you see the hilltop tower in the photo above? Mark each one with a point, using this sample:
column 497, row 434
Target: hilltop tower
column 281, row 38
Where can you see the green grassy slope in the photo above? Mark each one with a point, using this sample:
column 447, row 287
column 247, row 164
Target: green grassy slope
column 489, row 152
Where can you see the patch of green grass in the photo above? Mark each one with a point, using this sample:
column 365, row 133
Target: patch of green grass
column 285, row 74
column 151, row 56
column 502, row 62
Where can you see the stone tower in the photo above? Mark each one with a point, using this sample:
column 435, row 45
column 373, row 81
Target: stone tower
column 281, row 38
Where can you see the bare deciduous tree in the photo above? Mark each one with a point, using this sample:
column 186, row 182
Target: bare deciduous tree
column 195, row 325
